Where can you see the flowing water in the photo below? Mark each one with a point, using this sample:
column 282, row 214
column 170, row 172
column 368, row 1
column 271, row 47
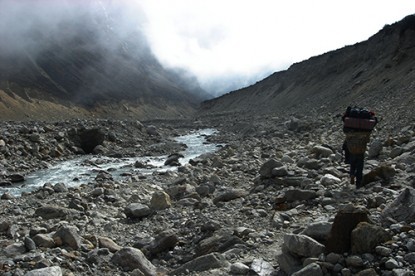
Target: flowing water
column 84, row 169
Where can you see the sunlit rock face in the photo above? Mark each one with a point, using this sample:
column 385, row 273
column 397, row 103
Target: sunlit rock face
column 86, row 53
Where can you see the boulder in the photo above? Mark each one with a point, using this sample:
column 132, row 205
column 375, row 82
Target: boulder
column 402, row 208
column 160, row 200
column 339, row 240
column 302, row 246
column 165, row 241
column 137, row 210
column 318, row 230
column 129, row 259
column 68, row 235
column 365, row 237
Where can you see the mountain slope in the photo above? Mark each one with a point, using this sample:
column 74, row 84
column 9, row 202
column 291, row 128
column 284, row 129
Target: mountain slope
column 89, row 60
column 377, row 73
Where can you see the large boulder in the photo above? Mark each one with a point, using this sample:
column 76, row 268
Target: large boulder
column 339, row 240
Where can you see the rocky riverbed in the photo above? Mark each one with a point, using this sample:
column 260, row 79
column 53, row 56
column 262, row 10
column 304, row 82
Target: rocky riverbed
column 274, row 200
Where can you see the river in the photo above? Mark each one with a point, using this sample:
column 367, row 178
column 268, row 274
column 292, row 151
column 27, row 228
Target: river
column 84, row 169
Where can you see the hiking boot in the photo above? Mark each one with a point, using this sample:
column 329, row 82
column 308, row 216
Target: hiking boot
column 352, row 179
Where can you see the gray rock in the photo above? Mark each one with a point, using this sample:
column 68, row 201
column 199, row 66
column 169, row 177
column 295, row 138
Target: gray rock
column 53, row 212
column 367, row 272
column 375, row 148
column 312, row 269
column 230, row 195
column 239, row 269
column 14, row 249
column 29, row 243
column 202, row 263
column 137, row 210
column 410, row 258
column 109, row 244
column 97, row 192
column 302, row 245
column 402, row 208
column 60, row 188
column 68, row 235
column 129, row 259
column 266, row 169
column 47, row 271
column 165, row 241
column 261, row 267
column 345, row 221
column 383, row 251
column 333, row 258
column 391, row 263
column 280, row 171
column 328, row 180
column 4, row 226
column 297, row 194
column 320, row 151
column 160, row 200
column 42, row 240
column 354, row 261
column 289, row 263
column 365, row 237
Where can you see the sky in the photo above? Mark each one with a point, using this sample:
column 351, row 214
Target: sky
column 228, row 44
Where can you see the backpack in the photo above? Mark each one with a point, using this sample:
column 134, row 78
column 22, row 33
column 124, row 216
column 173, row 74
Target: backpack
column 358, row 119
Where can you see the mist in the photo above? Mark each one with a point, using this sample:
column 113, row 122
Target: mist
column 93, row 48
column 32, row 25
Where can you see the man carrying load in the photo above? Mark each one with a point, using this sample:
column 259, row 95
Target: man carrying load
column 358, row 124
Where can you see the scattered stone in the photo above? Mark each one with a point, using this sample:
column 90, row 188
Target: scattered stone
column 402, row 208
column 129, row 259
column 47, row 271
column 160, row 200
column 68, row 235
column 53, row 212
column 137, row 210
column 266, row 169
column 202, row 263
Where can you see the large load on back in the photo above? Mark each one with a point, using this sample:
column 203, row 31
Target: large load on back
column 358, row 119
column 358, row 124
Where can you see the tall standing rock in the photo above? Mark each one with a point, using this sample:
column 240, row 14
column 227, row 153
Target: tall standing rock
column 339, row 240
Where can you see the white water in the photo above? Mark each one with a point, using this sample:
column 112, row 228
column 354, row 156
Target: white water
column 84, row 169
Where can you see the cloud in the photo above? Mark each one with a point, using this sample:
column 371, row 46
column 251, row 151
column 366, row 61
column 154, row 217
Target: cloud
column 242, row 38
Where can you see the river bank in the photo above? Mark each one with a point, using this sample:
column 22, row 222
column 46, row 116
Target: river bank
column 264, row 204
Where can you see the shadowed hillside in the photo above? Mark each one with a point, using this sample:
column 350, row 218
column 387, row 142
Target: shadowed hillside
column 377, row 73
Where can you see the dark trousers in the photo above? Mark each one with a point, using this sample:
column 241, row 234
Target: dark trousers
column 356, row 167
